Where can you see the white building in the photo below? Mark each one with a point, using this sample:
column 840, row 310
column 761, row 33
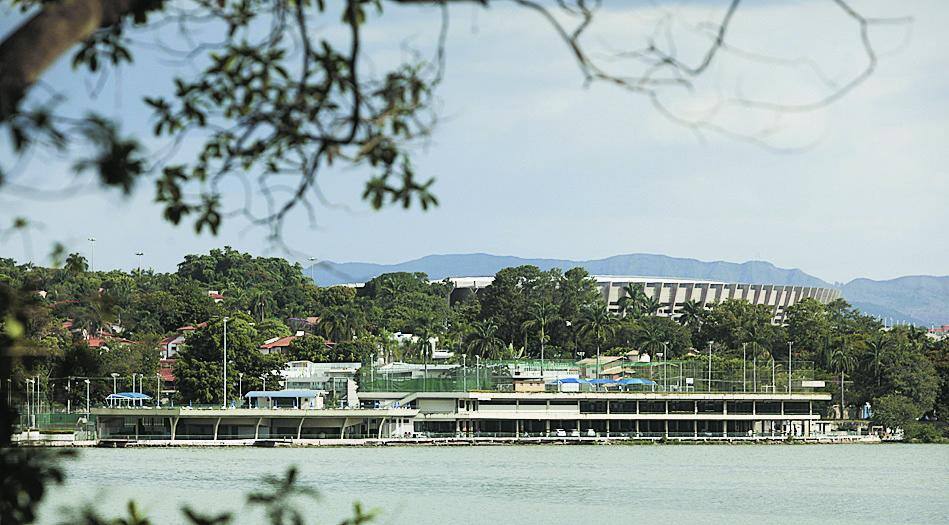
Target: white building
column 673, row 293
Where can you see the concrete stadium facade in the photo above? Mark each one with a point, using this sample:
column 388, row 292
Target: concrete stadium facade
column 673, row 293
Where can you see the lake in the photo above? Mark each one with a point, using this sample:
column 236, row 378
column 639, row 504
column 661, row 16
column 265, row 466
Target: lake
column 533, row 484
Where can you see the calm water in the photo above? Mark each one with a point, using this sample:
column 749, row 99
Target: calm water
column 536, row 484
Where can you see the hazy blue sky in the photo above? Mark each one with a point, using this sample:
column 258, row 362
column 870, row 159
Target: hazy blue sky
column 529, row 162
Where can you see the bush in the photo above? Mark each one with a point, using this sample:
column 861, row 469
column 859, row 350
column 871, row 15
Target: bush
column 922, row 433
column 893, row 411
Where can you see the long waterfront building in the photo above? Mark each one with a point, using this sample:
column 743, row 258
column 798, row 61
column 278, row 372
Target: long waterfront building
column 398, row 415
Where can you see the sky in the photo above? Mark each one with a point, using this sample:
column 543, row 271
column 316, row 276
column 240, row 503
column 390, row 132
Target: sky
column 530, row 161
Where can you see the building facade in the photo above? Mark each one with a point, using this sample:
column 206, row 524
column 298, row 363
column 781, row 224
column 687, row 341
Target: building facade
column 672, row 294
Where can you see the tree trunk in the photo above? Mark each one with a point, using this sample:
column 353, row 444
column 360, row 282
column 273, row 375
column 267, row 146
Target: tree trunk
column 38, row 43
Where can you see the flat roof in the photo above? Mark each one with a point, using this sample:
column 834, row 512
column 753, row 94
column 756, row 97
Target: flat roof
column 283, row 394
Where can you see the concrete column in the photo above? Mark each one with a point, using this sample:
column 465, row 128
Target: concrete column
column 695, row 428
column 342, row 431
column 257, row 428
column 137, row 422
column 754, row 408
column 547, row 423
column 782, row 408
column 666, row 425
column 381, row 423
column 300, row 428
column 174, row 426
column 637, row 421
column 725, row 428
column 216, row 424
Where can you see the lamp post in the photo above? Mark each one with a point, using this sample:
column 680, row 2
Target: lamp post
column 69, row 395
column 744, row 373
column 709, row 366
column 92, row 253
column 264, row 378
column 139, row 254
column 157, row 389
column 789, row 367
column 312, row 260
column 240, row 387
column 29, row 401
column 224, row 399
column 87, row 399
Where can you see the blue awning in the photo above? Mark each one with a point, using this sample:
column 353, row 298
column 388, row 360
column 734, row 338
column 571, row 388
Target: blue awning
column 129, row 395
column 636, row 381
column 569, row 380
column 283, row 394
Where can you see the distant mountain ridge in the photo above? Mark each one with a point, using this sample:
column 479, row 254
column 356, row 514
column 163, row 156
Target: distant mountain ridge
column 922, row 300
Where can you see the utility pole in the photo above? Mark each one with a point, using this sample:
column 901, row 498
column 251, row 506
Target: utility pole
column 140, row 254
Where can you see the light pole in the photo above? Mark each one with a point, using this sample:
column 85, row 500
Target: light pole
column 114, row 384
column 92, row 255
column 789, row 367
column 312, row 277
column 744, row 359
column 157, row 389
column 754, row 369
column 264, row 378
column 665, row 359
column 224, row 399
column 29, row 401
column 240, row 387
column 709, row 366
column 87, row 400
column 69, row 395
column 140, row 254
column 464, row 372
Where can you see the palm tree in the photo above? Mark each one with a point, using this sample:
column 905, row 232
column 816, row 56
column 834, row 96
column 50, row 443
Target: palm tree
column 649, row 337
column 259, row 301
column 337, row 324
column 483, row 340
column 597, row 322
column 842, row 361
column 540, row 316
column 693, row 315
column 75, row 264
column 650, row 305
column 877, row 348
column 632, row 299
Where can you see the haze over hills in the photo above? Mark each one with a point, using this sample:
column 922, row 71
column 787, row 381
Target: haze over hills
column 922, row 300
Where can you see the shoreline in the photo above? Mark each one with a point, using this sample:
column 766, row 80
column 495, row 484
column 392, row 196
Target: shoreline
column 449, row 442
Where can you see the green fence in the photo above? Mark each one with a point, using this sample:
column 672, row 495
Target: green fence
column 687, row 375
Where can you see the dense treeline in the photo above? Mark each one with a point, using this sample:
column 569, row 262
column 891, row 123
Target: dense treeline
column 524, row 313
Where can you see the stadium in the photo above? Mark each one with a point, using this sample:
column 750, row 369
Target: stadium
column 673, row 293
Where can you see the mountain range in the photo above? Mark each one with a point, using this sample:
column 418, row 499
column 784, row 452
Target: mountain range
column 921, row 300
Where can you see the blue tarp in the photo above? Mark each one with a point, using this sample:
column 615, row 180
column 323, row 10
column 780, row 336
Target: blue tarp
column 128, row 395
column 273, row 394
column 636, row 381
column 631, row 381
